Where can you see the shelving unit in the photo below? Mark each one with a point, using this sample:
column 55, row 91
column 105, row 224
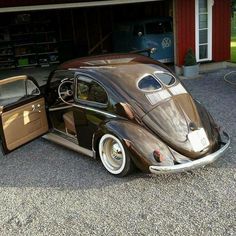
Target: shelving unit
column 6, row 50
column 28, row 42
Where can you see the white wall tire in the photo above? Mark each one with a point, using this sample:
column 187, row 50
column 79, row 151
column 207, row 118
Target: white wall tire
column 113, row 155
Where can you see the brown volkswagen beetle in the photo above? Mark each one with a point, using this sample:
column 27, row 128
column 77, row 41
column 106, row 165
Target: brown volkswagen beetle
column 127, row 109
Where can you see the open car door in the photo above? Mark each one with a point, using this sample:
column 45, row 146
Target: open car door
column 22, row 112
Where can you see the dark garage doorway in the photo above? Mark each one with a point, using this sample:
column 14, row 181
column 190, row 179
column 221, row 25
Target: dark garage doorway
column 42, row 38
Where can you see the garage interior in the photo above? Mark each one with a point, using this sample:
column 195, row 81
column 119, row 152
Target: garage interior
column 49, row 37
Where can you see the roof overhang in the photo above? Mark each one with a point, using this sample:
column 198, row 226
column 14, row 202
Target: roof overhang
column 70, row 5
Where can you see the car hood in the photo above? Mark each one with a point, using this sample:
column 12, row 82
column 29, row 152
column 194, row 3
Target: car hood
column 173, row 120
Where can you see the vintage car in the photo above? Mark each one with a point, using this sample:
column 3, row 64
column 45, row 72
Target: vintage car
column 126, row 109
column 150, row 33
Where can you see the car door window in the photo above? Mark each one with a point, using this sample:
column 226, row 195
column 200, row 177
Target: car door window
column 158, row 27
column 19, row 88
column 90, row 91
column 31, row 88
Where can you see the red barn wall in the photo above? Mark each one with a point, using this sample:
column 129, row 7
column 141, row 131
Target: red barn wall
column 221, row 31
column 185, row 28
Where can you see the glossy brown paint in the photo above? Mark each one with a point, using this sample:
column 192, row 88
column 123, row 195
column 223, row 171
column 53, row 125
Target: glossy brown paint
column 169, row 119
column 146, row 122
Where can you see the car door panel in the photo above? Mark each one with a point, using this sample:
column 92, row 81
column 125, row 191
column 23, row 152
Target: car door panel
column 24, row 123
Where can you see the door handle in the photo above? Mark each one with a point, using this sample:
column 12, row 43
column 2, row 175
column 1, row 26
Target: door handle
column 36, row 108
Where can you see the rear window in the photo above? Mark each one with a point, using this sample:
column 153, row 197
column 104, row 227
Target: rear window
column 166, row 79
column 158, row 27
column 149, row 84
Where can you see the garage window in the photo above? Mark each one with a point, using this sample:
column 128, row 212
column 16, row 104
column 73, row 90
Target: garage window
column 90, row 91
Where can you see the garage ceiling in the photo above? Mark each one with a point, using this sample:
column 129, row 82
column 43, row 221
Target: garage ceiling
column 70, row 5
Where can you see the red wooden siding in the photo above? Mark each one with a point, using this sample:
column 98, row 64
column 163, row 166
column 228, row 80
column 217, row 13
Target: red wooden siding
column 221, row 30
column 185, row 28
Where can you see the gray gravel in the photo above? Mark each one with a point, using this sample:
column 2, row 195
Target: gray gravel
column 48, row 190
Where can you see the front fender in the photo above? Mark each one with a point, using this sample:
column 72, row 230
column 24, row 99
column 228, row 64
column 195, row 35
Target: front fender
column 138, row 141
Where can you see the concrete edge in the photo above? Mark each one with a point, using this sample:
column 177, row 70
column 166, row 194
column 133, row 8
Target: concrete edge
column 206, row 67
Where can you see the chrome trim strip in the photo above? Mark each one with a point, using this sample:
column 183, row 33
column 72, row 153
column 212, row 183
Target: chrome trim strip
column 96, row 110
column 83, row 107
column 93, row 148
column 66, row 143
column 192, row 164
column 59, row 108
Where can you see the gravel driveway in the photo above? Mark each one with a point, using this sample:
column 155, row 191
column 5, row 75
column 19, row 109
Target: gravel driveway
column 46, row 189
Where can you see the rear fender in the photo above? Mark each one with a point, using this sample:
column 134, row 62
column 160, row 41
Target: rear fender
column 138, row 141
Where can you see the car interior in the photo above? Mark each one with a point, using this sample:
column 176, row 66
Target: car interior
column 88, row 92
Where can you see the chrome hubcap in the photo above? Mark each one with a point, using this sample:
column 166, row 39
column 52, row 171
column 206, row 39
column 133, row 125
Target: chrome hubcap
column 116, row 152
column 112, row 154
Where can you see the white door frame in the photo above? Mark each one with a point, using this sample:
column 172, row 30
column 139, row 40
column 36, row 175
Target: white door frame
column 210, row 4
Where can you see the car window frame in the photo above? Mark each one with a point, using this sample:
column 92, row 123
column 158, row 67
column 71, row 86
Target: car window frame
column 18, row 99
column 147, row 91
column 168, row 73
column 86, row 102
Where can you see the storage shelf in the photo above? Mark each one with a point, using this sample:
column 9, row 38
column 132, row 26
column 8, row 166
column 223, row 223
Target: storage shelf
column 25, row 55
column 45, row 53
column 35, row 64
column 28, row 42
column 30, row 23
column 42, row 43
column 8, row 61
column 32, row 33
column 21, row 34
column 7, row 41
column 5, row 55
column 8, row 47
column 45, row 32
column 24, row 44
column 54, row 62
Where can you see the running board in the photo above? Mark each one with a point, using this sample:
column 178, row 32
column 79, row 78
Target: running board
column 66, row 143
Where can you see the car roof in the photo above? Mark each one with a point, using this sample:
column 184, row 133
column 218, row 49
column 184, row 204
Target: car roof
column 117, row 59
column 119, row 72
column 121, row 69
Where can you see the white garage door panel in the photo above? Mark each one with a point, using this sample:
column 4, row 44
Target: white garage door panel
column 71, row 5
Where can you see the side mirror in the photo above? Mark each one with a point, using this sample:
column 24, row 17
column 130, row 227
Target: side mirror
column 140, row 34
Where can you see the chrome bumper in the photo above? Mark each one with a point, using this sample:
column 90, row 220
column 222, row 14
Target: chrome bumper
column 192, row 164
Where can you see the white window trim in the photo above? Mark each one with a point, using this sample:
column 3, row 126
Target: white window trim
column 210, row 5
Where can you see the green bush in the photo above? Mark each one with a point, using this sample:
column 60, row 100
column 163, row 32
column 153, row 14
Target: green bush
column 190, row 59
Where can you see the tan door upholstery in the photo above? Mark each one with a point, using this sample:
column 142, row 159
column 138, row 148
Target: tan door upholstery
column 69, row 122
column 24, row 123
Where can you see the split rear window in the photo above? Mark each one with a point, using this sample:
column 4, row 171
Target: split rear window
column 166, row 79
column 148, row 84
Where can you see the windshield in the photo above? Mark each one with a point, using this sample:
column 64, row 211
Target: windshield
column 158, row 27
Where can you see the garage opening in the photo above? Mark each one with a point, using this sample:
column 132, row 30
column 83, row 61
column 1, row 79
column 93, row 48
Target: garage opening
column 49, row 37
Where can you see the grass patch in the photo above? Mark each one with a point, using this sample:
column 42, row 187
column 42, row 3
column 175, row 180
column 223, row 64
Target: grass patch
column 233, row 38
column 233, row 48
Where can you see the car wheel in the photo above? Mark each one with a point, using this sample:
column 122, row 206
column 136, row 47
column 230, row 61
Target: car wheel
column 113, row 156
